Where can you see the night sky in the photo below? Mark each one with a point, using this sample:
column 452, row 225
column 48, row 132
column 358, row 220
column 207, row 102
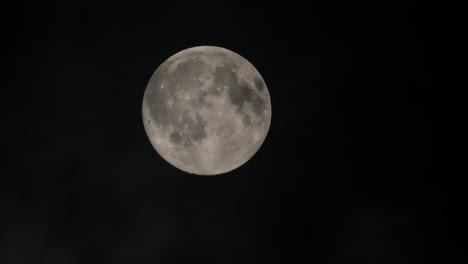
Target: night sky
column 347, row 173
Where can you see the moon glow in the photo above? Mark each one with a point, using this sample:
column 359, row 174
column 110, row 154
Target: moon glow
column 206, row 110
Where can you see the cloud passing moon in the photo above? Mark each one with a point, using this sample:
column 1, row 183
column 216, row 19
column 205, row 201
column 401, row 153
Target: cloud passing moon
column 206, row 110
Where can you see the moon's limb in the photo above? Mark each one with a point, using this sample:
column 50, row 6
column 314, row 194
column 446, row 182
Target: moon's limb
column 206, row 110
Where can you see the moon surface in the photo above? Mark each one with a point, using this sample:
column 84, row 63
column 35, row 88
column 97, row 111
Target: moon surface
column 206, row 110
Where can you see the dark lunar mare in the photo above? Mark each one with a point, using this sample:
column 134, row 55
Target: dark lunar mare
column 183, row 78
column 259, row 84
column 239, row 91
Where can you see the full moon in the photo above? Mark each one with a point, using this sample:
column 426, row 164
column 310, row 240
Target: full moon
column 206, row 110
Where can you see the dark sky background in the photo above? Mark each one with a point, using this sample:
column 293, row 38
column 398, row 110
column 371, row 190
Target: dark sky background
column 347, row 173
